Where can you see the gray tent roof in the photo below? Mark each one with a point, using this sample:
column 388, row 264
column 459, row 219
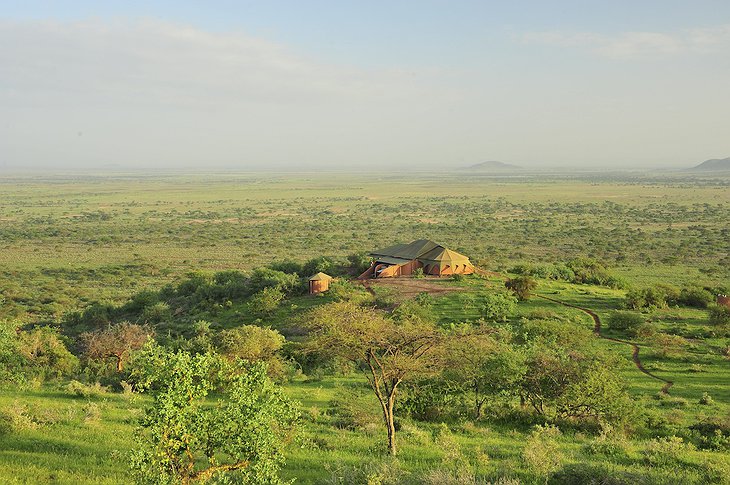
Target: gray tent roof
column 407, row 252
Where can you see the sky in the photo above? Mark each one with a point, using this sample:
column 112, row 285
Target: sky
column 335, row 85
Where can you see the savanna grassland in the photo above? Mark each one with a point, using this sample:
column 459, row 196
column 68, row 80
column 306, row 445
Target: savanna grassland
column 193, row 258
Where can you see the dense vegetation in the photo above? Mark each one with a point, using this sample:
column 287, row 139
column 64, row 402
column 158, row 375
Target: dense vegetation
column 144, row 326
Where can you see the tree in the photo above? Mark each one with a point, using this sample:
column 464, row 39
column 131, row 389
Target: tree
column 266, row 301
column 45, row 353
column 116, row 342
column 572, row 384
column 387, row 352
column 497, row 307
column 482, row 360
column 210, row 417
column 521, row 286
column 254, row 344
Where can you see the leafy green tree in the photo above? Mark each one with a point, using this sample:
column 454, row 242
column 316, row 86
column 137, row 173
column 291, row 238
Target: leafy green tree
column 579, row 384
column 209, row 418
column 115, row 342
column 599, row 394
column 387, row 352
column 498, row 306
column 265, row 278
column 45, row 353
column 322, row 264
column 481, row 360
column 255, row 344
column 266, row 301
column 521, row 286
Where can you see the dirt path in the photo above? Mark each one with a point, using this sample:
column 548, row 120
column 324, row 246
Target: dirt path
column 597, row 329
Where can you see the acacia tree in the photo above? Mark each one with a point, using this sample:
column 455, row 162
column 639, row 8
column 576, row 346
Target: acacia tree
column 210, row 418
column 521, row 286
column 255, row 344
column 116, row 342
column 481, row 360
column 387, row 352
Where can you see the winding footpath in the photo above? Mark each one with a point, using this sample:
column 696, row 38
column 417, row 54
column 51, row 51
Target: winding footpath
column 597, row 330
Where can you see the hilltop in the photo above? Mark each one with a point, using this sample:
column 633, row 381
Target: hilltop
column 713, row 165
column 492, row 165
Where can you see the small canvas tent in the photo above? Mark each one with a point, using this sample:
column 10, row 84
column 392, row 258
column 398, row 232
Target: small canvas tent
column 404, row 259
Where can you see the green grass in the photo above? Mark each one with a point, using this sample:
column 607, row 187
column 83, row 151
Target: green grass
column 68, row 242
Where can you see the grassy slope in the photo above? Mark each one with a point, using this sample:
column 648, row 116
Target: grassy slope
column 75, row 450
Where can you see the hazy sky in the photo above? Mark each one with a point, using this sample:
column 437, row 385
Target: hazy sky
column 339, row 84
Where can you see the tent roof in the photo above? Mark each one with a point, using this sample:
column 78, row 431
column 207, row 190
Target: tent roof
column 320, row 277
column 424, row 250
column 407, row 251
column 443, row 256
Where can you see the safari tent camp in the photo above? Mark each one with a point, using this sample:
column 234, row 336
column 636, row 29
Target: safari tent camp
column 404, row 259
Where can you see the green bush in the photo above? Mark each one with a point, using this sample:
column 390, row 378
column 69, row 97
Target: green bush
column 498, row 306
column 646, row 298
column 666, row 452
column 695, row 297
column 625, row 321
column 719, row 315
column 87, row 391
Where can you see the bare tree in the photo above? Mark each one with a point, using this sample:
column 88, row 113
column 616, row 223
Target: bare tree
column 116, row 341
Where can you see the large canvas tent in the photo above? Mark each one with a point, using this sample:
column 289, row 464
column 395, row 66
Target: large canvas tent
column 404, row 259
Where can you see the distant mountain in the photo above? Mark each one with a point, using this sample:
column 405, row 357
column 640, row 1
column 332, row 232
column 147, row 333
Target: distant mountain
column 492, row 166
column 714, row 165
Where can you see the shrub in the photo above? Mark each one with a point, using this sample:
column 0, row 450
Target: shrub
column 695, row 297
column 16, row 417
column 343, row 290
column 209, row 417
column 646, row 298
column 255, row 344
column 521, row 286
column 92, row 413
column 79, row 389
column 45, row 353
column 719, row 315
column 157, row 313
column 266, row 301
column 541, row 452
column 266, row 278
column 417, row 273
column 667, row 451
column 608, row 443
column 706, row 399
column 585, row 474
column 498, row 306
column 713, row 433
column 625, row 321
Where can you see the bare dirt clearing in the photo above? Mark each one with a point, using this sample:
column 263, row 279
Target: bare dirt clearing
column 410, row 287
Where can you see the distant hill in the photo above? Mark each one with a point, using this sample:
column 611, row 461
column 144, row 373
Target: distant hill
column 714, row 165
column 492, row 166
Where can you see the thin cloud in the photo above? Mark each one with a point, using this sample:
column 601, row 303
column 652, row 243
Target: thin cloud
column 638, row 45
